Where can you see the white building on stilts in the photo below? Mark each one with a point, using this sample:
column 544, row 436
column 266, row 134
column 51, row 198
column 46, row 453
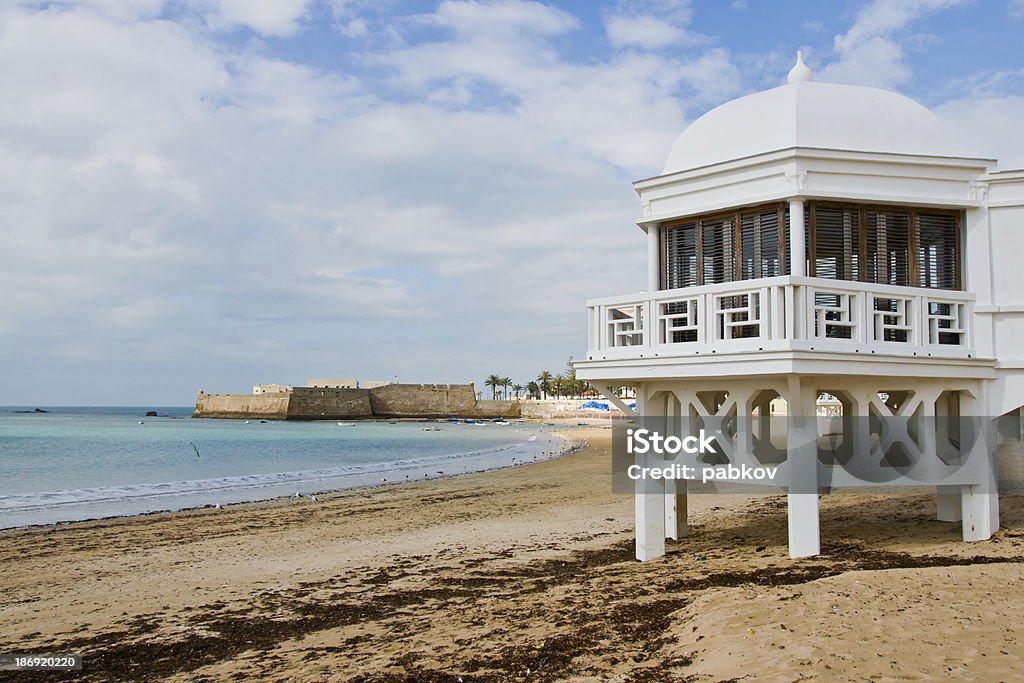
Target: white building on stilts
column 821, row 238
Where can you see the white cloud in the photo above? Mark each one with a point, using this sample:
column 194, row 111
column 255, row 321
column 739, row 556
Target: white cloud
column 1015, row 8
column 867, row 53
column 643, row 31
column 876, row 61
column 119, row 10
column 988, row 128
column 233, row 216
column 469, row 17
column 266, row 17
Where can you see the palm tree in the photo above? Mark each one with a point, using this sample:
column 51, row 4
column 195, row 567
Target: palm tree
column 559, row 385
column 505, row 384
column 533, row 389
column 517, row 389
column 544, row 382
column 492, row 381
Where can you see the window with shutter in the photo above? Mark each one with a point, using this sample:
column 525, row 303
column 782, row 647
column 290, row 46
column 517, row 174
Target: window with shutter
column 759, row 244
column 937, row 251
column 836, row 242
column 887, row 247
column 718, row 250
column 679, row 256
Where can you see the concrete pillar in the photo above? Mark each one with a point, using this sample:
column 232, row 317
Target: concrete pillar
column 802, row 458
column 649, row 500
column 797, row 238
column 947, row 498
column 676, row 526
column 979, row 503
column 947, row 504
column 653, row 258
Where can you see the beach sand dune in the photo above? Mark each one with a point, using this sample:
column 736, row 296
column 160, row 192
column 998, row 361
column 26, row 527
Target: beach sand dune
column 517, row 575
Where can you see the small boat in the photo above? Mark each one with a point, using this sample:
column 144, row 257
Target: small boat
column 431, row 429
column 550, row 424
column 453, row 419
column 346, row 424
column 582, row 424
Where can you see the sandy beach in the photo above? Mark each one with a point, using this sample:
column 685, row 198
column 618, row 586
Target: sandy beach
column 525, row 574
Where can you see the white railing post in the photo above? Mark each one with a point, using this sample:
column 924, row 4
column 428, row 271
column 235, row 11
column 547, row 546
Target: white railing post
column 602, row 321
column 647, row 328
column 921, row 335
column 590, row 330
column 791, row 316
column 764, row 305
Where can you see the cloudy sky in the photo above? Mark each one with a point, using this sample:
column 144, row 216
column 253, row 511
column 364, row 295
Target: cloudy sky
column 222, row 192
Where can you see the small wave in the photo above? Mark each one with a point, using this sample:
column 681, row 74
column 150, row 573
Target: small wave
column 133, row 497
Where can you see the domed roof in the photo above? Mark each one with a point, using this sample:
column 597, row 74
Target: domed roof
column 803, row 113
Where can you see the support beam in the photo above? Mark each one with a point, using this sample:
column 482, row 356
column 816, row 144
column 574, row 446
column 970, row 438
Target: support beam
column 947, row 498
column 649, row 500
column 650, row 516
column 676, row 526
column 797, row 238
column 947, row 504
column 979, row 503
column 802, row 456
column 607, row 390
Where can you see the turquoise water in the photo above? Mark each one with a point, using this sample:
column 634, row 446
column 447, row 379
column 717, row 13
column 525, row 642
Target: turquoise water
column 82, row 463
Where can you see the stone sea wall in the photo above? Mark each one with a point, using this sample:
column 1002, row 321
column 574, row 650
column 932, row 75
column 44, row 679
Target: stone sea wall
column 393, row 400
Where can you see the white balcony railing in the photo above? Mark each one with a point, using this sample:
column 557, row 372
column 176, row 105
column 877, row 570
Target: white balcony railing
column 783, row 313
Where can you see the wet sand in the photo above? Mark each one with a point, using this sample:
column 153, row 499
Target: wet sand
column 524, row 574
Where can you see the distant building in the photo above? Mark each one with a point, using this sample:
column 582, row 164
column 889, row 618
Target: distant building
column 332, row 383
column 270, row 389
column 374, row 383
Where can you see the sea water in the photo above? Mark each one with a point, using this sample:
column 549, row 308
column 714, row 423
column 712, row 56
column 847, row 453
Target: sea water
column 84, row 463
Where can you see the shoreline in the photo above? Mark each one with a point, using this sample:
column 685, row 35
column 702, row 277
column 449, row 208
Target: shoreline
column 568, row 445
column 486, row 575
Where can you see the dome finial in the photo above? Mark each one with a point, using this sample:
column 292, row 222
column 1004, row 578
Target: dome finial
column 800, row 73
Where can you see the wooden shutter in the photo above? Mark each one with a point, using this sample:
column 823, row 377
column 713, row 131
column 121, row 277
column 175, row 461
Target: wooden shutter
column 937, row 253
column 759, row 244
column 679, row 256
column 887, row 243
column 718, row 250
column 836, row 242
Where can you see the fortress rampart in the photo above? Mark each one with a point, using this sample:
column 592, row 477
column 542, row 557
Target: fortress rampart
column 392, row 400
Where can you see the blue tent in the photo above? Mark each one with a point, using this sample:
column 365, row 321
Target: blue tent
column 593, row 405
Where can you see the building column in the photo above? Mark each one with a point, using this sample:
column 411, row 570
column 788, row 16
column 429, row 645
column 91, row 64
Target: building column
column 797, row 238
column 802, row 458
column 675, row 490
column 947, row 498
column 653, row 258
column 979, row 503
column 648, row 499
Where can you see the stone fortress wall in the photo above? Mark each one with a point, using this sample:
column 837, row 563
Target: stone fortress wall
column 322, row 403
